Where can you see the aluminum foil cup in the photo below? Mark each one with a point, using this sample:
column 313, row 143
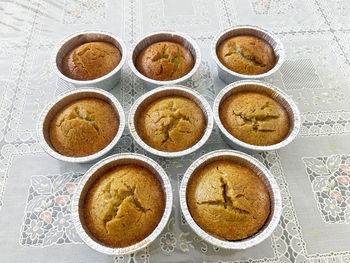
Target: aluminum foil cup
column 50, row 111
column 229, row 76
column 276, row 94
column 154, row 37
column 93, row 174
column 106, row 82
column 264, row 174
column 177, row 90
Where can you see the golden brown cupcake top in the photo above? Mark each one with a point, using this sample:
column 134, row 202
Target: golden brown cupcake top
column 124, row 206
column 165, row 61
column 228, row 200
column 91, row 61
column 83, row 127
column 171, row 124
column 248, row 55
column 254, row 118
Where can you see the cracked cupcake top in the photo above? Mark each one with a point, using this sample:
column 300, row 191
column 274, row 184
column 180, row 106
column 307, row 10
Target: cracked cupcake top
column 228, row 200
column 254, row 118
column 83, row 127
column 165, row 61
column 90, row 61
column 171, row 124
column 247, row 55
column 124, row 205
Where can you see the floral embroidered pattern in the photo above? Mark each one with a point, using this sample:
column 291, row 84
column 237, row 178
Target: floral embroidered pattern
column 330, row 180
column 168, row 242
column 84, row 11
column 265, row 7
column 47, row 219
column 325, row 123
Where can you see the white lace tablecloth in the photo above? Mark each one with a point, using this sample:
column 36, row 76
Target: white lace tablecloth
column 313, row 172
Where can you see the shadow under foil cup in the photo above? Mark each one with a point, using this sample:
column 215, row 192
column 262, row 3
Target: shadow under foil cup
column 106, row 82
column 158, row 36
column 261, row 87
column 94, row 173
column 264, row 174
column 50, row 111
column 229, row 76
column 174, row 90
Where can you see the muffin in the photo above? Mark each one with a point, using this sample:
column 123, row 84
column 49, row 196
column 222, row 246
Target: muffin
column 83, row 127
column 171, row 124
column 124, row 205
column 91, row 61
column 254, row 118
column 227, row 200
column 164, row 61
column 247, row 55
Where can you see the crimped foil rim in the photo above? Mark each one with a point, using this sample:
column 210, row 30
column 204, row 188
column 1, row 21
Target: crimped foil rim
column 240, row 244
column 244, row 76
column 168, row 82
column 296, row 115
column 149, row 239
column 89, row 158
column 93, row 81
column 199, row 144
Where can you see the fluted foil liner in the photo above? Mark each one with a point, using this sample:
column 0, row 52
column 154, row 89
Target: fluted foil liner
column 98, row 170
column 229, row 76
column 278, row 95
column 158, row 36
column 106, row 82
column 265, row 175
column 51, row 109
column 173, row 90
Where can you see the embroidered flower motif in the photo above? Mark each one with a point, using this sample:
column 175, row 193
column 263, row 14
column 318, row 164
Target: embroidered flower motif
column 62, row 200
column 70, row 188
column 61, row 221
column 331, row 207
column 343, row 179
column 336, row 195
column 168, row 242
column 35, row 229
column 46, row 216
column 345, row 168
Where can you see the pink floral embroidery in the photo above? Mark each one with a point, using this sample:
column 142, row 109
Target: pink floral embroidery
column 345, row 168
column 88, row 4
column 336, row 195
column 62, row 200
column 46, row 216
column 195, row 76
column 70, row 188
column 343, row 179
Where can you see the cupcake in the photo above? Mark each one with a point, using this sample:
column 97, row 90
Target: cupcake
column 83, row 127
column 124, row 205
column 228, row 200
column 91, row 60
column 171, row 124
column 254, row 118
column 247, row 55
column 165, row 61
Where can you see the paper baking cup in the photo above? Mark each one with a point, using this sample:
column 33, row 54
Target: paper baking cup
column 93, row 174
column 174, row 90
column 268, row 89
column 158, row 36
column 229, row 76
column 264, row 174
column 61, row 101
column 106, row 82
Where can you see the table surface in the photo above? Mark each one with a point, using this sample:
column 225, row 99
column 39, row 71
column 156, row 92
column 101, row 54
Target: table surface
column 312, row 172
